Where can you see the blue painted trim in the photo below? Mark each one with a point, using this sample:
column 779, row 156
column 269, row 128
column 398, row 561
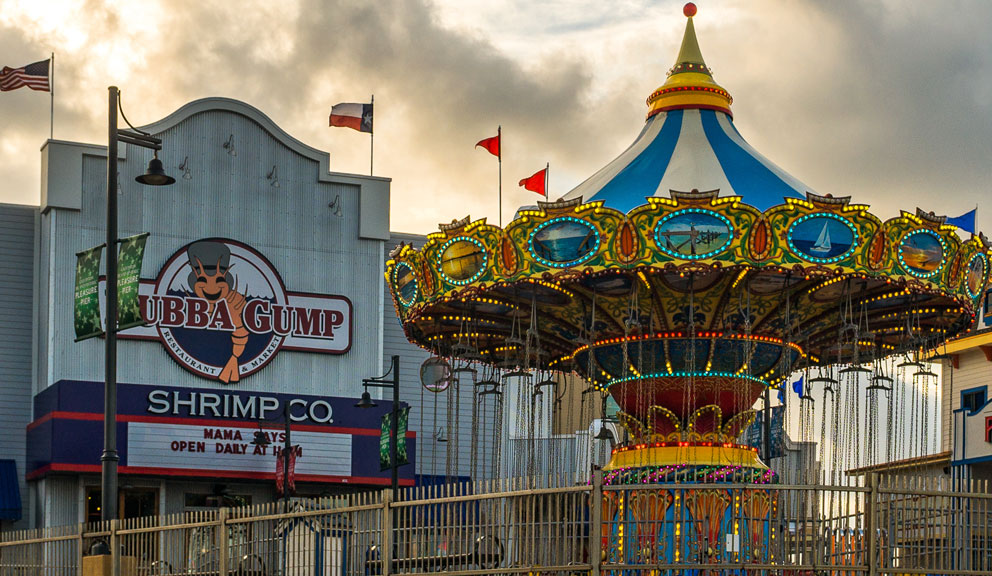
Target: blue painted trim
column 749, row 178
column 985, row 389
column 641, row 177
column 971, row 460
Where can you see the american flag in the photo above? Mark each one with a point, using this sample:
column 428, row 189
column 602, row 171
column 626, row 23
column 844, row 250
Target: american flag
column 34, row 76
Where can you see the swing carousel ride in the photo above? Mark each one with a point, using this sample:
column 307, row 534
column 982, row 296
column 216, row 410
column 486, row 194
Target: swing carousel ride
column 687, row 277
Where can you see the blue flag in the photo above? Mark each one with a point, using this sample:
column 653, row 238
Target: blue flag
column 797, row 386
column 965, row 221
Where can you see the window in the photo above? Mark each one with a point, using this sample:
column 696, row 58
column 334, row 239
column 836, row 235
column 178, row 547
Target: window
column 131, row 503
column 219, row 499
column 93, row 510
column 973, row 400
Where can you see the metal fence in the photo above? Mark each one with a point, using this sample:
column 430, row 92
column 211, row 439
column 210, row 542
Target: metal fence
column 907, row 527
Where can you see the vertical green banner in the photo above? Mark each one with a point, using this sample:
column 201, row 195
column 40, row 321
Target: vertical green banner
column 132, row 252
column 384, row 441
column 86, row 312
column 401, row 428
column 404, row 416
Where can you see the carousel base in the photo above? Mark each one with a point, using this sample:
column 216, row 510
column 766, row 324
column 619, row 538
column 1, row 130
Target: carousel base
column 684, row 454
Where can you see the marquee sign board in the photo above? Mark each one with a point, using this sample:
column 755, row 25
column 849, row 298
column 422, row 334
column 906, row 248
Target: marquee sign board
column 208, row 433
column 202, row 448
column 221, row 310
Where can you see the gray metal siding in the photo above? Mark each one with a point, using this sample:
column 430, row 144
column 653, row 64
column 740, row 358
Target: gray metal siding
column 17, row 240
column 225, row 196
column 432, row 457
column 60, row 498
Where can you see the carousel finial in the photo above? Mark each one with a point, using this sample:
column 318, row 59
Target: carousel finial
column 690, row 83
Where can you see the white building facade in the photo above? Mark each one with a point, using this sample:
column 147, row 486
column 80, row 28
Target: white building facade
column 299, row 251
column 966, row 388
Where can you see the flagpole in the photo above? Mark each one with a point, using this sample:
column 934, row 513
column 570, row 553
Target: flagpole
column 51, row 93
column 499, row 140
column 547, row 180
column 372, row 137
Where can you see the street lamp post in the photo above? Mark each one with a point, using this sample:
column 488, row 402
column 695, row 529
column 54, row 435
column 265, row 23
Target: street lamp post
column 366, row 402
column 154, row 176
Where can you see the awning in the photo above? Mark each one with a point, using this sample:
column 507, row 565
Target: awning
column 10, row 491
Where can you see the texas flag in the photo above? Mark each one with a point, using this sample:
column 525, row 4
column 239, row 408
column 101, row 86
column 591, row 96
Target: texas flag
column 352, row 115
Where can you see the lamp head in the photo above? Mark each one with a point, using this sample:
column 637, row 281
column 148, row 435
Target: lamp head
column 155, row 174
column 260, row 438
column 366, row 401
column 605, row 434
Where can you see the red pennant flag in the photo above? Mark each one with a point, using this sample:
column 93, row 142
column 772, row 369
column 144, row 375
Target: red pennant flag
column 491, row 144
column 536, row 183
column 291, row 481
column 279, row 474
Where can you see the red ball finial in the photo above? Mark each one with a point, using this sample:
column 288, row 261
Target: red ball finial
column 689, row 10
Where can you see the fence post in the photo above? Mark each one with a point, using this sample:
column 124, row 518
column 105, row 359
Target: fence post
column 595, row 545
column 871, row 523
column 387, row 533
column 80, row 528
column 221, row 535
column 115, row 550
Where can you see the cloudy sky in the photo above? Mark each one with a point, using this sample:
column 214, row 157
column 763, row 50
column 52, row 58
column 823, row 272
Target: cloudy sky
column 886, row 101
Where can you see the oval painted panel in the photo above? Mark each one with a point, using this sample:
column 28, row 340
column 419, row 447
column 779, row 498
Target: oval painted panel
column 975, row 279
column 693, row 234
column 822, row 238
column 921, row 254
column 462, row 260
column 405, row 283
column 564, row 242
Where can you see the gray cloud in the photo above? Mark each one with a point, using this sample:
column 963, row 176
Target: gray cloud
column 886, row 102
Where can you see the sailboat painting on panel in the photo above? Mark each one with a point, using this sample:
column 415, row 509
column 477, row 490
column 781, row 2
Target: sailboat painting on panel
column 822, row 238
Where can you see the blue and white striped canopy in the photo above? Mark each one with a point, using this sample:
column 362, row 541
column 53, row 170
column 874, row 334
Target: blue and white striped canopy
column 689, row 149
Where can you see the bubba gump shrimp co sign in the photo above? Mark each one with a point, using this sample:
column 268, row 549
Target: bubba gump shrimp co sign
column 221, row 310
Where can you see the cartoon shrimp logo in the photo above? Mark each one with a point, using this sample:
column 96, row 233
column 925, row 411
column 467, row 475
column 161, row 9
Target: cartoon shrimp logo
column 210, row 279
column 220, row 309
